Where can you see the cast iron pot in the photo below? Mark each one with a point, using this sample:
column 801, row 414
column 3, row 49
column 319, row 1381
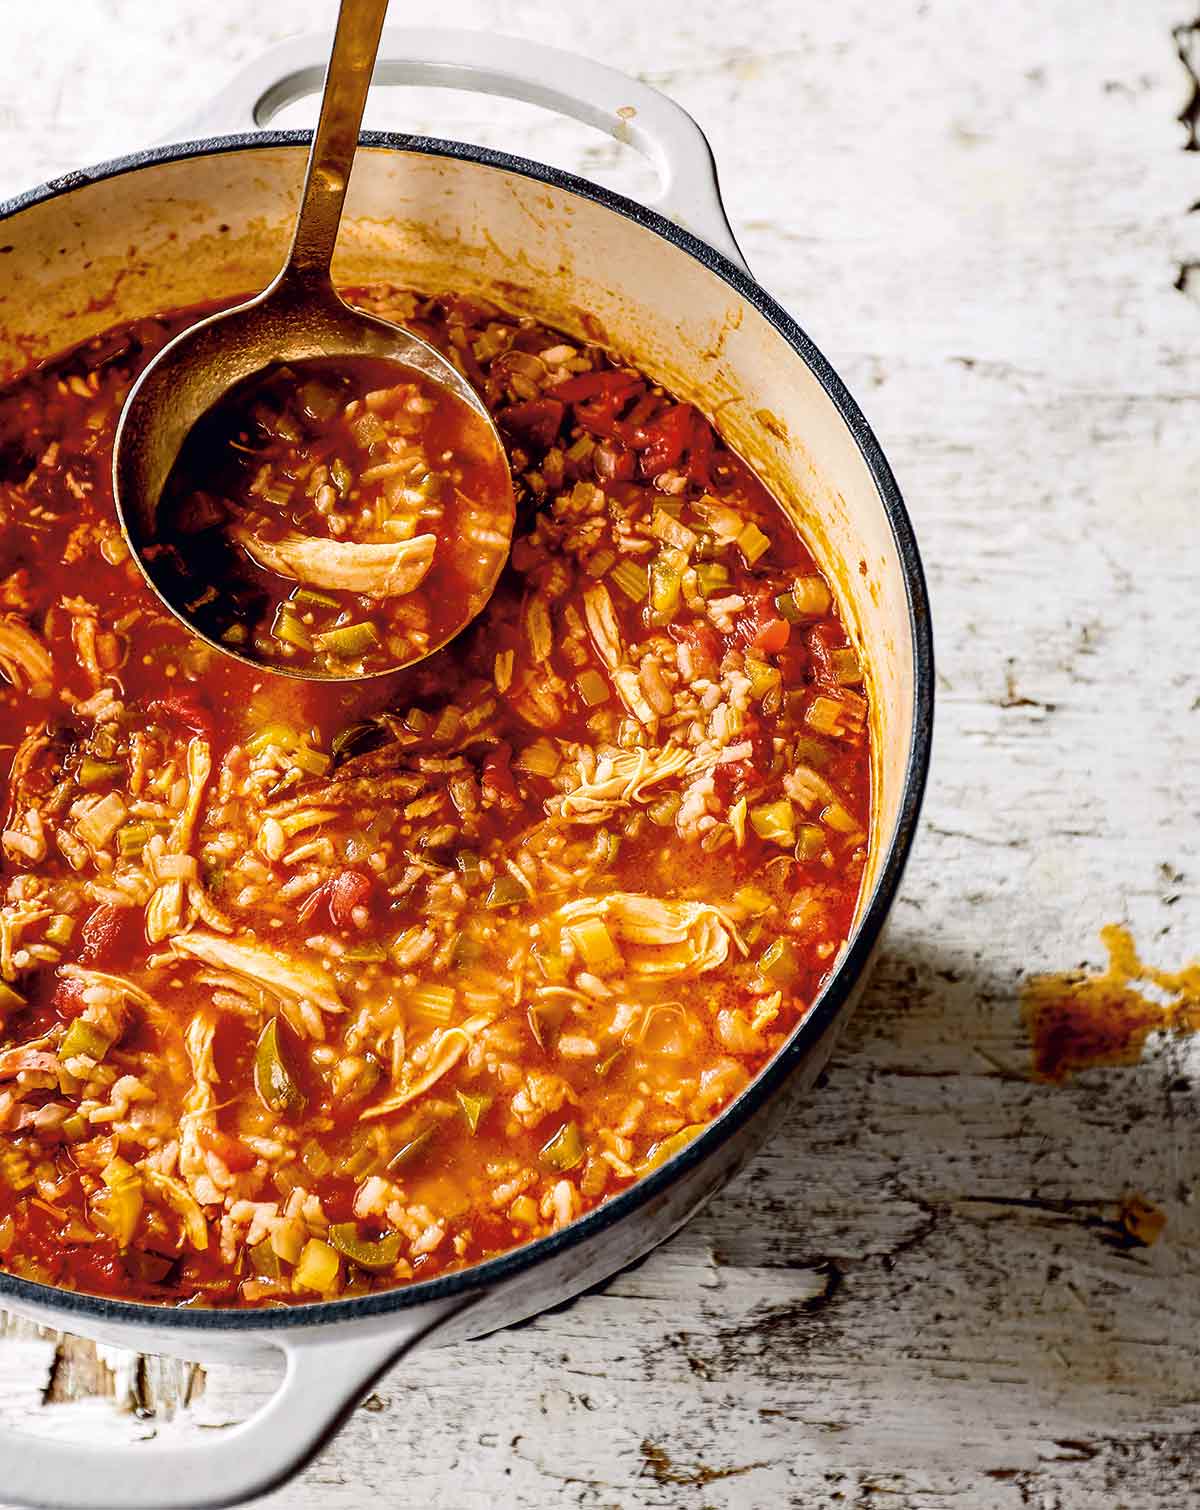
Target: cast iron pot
column 668, row 286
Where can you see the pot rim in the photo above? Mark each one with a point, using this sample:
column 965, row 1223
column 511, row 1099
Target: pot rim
column 492, row 1272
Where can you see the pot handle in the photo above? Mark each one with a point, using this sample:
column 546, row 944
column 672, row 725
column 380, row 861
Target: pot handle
column 325, row 1376
column 484, row 63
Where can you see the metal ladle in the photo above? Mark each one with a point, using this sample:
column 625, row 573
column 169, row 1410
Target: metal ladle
column 298, row 316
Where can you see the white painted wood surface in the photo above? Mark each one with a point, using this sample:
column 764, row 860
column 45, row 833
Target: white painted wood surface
column 915, row 1297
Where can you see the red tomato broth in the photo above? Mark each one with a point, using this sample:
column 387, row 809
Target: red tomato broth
column 428, row 783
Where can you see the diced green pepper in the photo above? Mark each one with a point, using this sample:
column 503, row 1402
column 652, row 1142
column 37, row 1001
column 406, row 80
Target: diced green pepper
column 412, row 1150
column 274, row 1082
column 85, row 1038
column 506, row 890
column 265, row 1261
column 376, row 1255
column 473, row 1107
column 564, row 1150
column 667, row 1148
column 779, row 962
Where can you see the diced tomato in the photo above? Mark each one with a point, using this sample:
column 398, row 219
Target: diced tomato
column 763, row 627
column 496, row 782
column 348, row 891
column 822, row 640
column 103, row 932
column 536, row 421
column 598, row 398
column 701, row 639
column 68, row 1000
column 233, row 1154
column 181, row 709
column 700, row 451
column 341, row 894
column 592, row 384
column 662, row 440
column 732, row 778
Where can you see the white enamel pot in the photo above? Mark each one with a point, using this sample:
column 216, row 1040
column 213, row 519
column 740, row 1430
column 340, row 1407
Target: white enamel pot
column 667, row 287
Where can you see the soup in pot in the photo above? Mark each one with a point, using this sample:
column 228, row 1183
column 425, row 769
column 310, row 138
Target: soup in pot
column 310, row 989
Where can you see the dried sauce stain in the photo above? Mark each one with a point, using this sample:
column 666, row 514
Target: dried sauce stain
column 1141, row 1220
column 660, row 1467
column 1078, row 1020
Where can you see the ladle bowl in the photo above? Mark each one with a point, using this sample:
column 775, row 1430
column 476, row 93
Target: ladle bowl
column 298, row 316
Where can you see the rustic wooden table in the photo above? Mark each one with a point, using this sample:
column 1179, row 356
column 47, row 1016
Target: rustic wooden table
column 921, row 1292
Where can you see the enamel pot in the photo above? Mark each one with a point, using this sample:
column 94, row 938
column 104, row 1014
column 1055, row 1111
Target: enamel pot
column 667, row 288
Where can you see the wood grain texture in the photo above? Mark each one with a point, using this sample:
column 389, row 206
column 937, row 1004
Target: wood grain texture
column 920, row 1294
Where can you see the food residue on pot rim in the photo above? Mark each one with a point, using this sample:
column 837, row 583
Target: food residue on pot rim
column 1077, row 1020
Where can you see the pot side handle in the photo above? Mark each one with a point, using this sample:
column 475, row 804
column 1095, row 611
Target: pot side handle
column 484, row 63
column 325, row 1376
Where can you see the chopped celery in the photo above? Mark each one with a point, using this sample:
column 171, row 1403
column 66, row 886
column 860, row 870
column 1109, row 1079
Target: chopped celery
column 711, row 578
column 811, row 597
column 764, row 678
column 838, row 819
column 775, row 822
column 132, row 837
column 538, row 759
column 524, row 1210
column 600, row 563
column 365, row 954
column 666, row 577
column 265, row 1261
column 315, row 1159
column 288, row 628
column 846, row 668
column 308, row 597
column 318, row 1268
column 436, row 1002
column 311, row 762
column 375, row 1255
column 506, row 890
column 594, row 944
column 592, row 688
column 564, row 1150
column 86, row 1038
column 10, row 1000
column 473, row 1108
column 632, row 579
column 824, row 715
column 810, row 842
column 59, row 929
column 350, row 641
column 663, row 809
column 752, row 543
column 752, row 900
column 94, row 773
column 551, row 964
column 778, row 962
column 76, row 1127
column 468, row 863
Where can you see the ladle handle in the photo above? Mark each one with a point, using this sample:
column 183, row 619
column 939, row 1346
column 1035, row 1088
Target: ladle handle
column 331, row 157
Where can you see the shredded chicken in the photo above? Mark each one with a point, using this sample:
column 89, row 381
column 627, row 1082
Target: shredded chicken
column 375, row 570
column 286, row 979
